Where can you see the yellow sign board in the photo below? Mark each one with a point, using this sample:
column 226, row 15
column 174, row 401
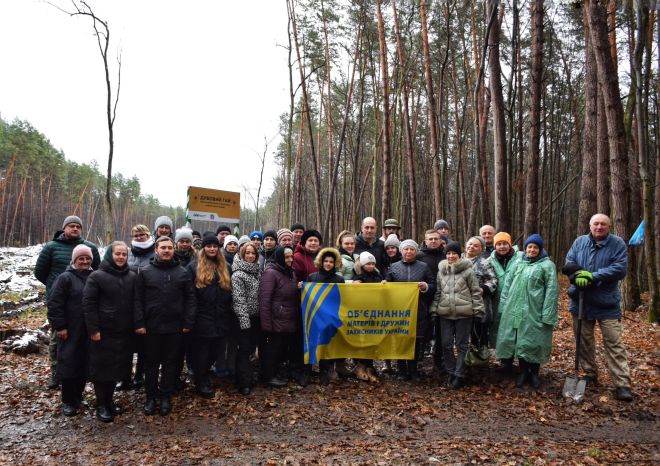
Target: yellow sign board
column 213, row 205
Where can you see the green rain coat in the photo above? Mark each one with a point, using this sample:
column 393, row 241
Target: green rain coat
column 528, row 311
column 501, row 274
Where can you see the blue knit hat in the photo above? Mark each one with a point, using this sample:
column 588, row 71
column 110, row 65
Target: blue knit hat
column 536, row 239
column 258, row 234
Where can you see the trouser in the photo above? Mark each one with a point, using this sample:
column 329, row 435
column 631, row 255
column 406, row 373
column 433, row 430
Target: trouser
column 203, row 352
column 104, row 392
column 409, row 366
column 52, row 354
column 161, row 351
column 438, row 360
column 247, row 340
column 326, row 364
column 72, row 390
column 481, row 333
column 184, row 350
column 615, row 351
column 455, row 332
column 275, row 347
column 228, row 349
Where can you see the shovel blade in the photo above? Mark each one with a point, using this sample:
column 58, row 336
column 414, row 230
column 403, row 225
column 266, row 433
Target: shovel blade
column 574, row 388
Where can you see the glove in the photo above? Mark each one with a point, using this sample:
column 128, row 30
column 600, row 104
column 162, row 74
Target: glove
column 583, row 279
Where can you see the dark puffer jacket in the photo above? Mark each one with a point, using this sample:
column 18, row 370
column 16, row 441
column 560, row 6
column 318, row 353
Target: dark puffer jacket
column 431, row 257
column 279, row 300
column 214, row 314
column 164, row 298
column 56, row 256
column 415, row 272
column 108, row 301
column 65, row 311
column 245, row 290
column 377, row 249
column 185, row 257
column 138, row 258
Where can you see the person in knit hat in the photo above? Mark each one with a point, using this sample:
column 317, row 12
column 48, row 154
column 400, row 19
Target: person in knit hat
column 392, row 251
column 285, row 238
column 503, row 259
column 442, row 227
column 305, row 253
column 65, row 315
column 221, row 233
column 229, row 249
column 267, row 250
column 53, row 260
column 528, row 309
column 243, row 240
column 409, row 269
column 163, row 226
column 183, row 250
column 257, row 237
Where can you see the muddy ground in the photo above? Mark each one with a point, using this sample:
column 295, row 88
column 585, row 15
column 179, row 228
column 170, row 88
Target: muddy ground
column 488, row 422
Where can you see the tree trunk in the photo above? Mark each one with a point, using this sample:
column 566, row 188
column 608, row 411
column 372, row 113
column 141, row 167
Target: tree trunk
column 501, row 198
column 588, row 204
column 386, row 182
column 532, row 206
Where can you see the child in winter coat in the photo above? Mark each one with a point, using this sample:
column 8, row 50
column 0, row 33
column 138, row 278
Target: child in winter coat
column 328, row 261
column 364, row 370
column 457, row 301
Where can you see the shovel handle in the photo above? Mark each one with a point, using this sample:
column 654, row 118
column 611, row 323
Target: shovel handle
column 578, row 337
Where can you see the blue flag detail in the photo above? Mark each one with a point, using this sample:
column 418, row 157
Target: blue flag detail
column 320, row 304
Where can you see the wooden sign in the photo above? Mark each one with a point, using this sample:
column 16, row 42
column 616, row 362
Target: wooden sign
column 213, row 205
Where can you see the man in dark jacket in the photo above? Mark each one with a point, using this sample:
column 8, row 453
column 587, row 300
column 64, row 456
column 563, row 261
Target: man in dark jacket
column 52, row 261
column 603, row 261
column 366, row 240
column 164, row 310
column 432, row 252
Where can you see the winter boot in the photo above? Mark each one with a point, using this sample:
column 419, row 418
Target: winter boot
column 534, row 379
column 524, row 373
column 361, row 372
column 371, row 374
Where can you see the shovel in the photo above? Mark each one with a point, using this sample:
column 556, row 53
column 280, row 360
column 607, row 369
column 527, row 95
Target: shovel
column 573, row 386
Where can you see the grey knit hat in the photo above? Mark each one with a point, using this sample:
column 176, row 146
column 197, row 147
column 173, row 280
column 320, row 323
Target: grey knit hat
column 242, row 240
column 408, row 242
column 441, row 224
column 164, row 220
column 392, row 240
column 72, row 219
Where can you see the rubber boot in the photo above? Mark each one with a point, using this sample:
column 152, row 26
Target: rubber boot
column 524, row 373
column 534, row 379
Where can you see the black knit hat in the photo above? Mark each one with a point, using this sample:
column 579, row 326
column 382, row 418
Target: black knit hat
column 453, row 246
column 308, row 234
column 210, row 239
column 271, row 234
column 223, row 228
column 297, row 226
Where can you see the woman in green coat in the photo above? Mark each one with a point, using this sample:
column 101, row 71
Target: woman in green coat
column 528, row 306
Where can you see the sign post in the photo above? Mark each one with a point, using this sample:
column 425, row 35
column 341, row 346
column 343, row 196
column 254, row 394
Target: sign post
column 212, row 205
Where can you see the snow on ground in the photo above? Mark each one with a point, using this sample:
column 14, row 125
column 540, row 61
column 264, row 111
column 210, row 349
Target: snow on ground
column 17, row 269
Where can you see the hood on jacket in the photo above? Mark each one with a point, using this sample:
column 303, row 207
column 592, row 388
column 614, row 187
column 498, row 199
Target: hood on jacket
column 459, row 266
column 318, row 262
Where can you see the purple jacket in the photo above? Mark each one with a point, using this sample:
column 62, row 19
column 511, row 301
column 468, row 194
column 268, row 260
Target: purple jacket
column 279, row 301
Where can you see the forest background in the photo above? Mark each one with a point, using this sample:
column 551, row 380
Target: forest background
column 528, row 115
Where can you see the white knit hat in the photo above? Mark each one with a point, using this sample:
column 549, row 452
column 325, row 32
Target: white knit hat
column 366, row 257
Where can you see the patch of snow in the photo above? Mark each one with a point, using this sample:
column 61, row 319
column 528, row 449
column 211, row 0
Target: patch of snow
column 17, row 269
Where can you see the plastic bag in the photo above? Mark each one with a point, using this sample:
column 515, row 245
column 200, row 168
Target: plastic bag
column 637, row 239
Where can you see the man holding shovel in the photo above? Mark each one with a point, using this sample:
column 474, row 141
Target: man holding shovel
column 602, row 259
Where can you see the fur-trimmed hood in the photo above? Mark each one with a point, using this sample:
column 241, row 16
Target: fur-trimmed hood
column 318, row 262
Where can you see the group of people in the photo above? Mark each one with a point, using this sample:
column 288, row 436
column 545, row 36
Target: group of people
column 215, row 304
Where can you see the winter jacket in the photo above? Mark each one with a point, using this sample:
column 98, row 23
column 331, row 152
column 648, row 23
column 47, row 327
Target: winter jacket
column 56, row 256
column 414, row 272
column 325, row 277
column 487, row 281
column 431, row 257
column 185, row 257
column 266, row 258
column 607, row 260
column 245, row 290
column 279, row 300
column 213, row 307
column 377, row 249
column 502, row 268
column 458, row 295
column 108, row 300
column 303, row 263
column 65, row 311
column 369, row 277
column 389, row 261
column 138, row 258
column 528, row 310
column 164, row 298
column 347, row 269
column 229, row 258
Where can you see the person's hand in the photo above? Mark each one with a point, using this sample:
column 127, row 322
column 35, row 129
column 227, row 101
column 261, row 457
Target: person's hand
column 357, row 281
column 186, row 330
column 583, row 279
column 62, row 334
column 384, row 281
column 141, row 331
column 95, row 337
column 300, row 285
column 423, row 286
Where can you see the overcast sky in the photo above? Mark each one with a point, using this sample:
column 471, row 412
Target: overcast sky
column 203, row 82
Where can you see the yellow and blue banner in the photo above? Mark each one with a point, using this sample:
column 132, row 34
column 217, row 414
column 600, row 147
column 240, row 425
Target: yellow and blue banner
column 359, row 320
